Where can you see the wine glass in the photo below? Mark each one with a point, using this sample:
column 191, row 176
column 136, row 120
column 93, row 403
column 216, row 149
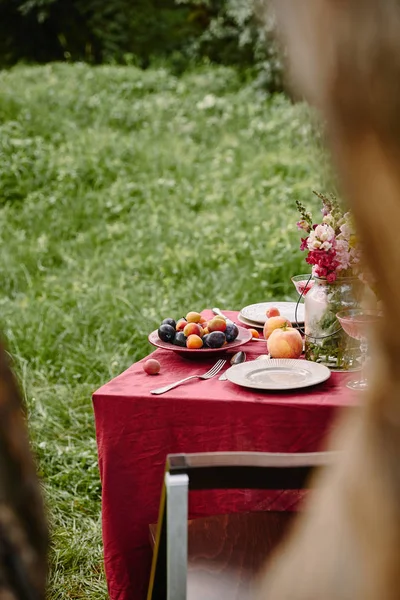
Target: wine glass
column 303, row 283
column 356, row 323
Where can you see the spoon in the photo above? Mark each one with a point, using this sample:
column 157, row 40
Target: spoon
column 236, row 359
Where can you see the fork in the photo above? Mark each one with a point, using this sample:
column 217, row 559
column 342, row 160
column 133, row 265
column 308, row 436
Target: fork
column 210, row 373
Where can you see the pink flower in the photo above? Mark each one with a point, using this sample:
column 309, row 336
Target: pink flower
column 303, row 245
column 325, row 263
column 303, row 225
column 331, row 246
column 343, row 254
column 325, row 210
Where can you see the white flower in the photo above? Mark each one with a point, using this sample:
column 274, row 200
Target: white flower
column 321, row 238
column 324, row 232
column 328, row 219
column 325, row 246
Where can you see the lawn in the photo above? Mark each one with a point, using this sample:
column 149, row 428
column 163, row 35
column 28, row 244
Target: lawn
column 126, row 197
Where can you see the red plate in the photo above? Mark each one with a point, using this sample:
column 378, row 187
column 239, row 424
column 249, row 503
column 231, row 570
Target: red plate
column 243, row 337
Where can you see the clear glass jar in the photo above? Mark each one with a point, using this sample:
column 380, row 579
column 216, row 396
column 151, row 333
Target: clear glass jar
column 325, row 340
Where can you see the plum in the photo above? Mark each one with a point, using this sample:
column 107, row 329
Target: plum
column 231, row 332
column 171, row 322
column 166, row 333
column 180, row 339
column 216, row 339
column 205, row 338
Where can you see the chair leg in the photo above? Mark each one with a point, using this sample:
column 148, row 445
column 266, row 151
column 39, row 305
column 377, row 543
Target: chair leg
column 177, row 488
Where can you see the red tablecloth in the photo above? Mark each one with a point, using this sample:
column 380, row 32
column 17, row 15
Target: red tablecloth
column 135, row 431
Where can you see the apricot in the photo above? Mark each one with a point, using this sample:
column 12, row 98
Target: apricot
column 254, row 333
column 203, row 320
column 194, row 341
column 192, row 329
column 285, row 342
column 151, row 366
column 193, row 317
column 272, row 312
column 216, row 324
column 275, row 323
column 181, row 324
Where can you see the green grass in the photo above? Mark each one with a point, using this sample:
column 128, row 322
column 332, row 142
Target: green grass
column 126, row 197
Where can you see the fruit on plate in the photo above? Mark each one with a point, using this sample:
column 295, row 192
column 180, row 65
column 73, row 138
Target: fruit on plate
column 272, row 311
column 181, row 324
column 275, row 323
column 216, row 339
column 254, row 333
column 193, row 317
column 285, row 342
column 151, row 366
column 193, row 329
column 194, row 341
column 231, row 332
column 180, row 339
column 216, row 324
column 166, row 333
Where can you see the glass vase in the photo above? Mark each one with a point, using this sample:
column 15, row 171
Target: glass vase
column 325, row 340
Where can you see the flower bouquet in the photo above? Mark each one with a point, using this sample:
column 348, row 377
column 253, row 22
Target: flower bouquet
column 334, row 253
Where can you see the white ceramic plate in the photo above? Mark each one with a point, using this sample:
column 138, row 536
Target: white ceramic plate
column 257, row 312
column 278, row 374
column 249, row 323
column 256, row 325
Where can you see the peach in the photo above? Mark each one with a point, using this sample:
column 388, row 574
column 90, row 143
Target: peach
column 275, row 323
column 151, row 366
column 192, row 329
column 272, row 312
column 216, row 324
column 181, row 324
column 254, row 333
column 194, row 341
column 285, row 342
column 193, row 317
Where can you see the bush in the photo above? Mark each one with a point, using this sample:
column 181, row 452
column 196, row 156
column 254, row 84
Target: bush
column 139, row 31
column 234, row 34
column 92, row 30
